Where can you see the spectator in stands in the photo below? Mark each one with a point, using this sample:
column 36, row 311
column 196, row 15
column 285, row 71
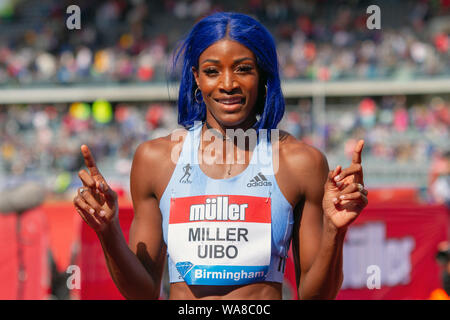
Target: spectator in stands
column 440, row 187
column 443, row 258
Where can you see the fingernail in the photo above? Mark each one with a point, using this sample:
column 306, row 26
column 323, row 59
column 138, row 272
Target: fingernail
column 342, row 197
column 339, row 184
column 335, row 200
column 337, row 178
column 102, row 213
column 92, row 211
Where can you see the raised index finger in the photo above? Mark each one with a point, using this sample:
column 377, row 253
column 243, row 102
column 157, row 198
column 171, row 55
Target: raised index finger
column 89, row 160
column 357, row 152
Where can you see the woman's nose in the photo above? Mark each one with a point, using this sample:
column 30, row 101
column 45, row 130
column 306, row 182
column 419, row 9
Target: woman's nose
column 228, row 82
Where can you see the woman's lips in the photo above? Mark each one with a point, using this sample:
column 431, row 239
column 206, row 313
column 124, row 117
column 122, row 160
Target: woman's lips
column 231, row 103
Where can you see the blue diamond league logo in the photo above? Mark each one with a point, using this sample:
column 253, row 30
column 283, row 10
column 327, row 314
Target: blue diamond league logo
column 184, row 267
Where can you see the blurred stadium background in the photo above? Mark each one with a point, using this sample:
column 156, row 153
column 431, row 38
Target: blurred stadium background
column 110, row 85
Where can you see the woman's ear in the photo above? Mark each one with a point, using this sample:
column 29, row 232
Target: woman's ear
column 262, row 94
column 195, row 73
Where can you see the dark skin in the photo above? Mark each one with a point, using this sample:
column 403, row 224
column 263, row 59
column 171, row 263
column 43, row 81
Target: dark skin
column 226, row 70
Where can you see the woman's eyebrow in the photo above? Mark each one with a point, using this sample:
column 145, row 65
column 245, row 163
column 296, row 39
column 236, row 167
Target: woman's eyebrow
column 210, row 60
column 243, row 59
column 234, row 62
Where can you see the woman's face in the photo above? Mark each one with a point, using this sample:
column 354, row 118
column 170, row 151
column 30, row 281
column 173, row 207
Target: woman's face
column 228, row 78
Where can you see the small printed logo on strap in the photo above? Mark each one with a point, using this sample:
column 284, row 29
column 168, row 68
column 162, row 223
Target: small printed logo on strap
column 259, row 181
column 187, row 174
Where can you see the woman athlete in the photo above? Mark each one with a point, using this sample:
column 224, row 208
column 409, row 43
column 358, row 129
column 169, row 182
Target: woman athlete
column 222, row 212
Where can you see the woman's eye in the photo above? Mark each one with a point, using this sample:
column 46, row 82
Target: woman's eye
column 210, row 71
column 244, row 68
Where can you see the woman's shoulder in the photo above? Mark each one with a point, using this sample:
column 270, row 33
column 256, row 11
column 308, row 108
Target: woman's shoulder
column 154, row 161
column 164, row 147
column 297, row 153
column 300, row 164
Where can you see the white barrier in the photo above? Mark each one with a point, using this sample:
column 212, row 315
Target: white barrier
column 165, row 92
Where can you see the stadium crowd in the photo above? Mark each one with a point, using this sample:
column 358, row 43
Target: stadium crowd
column 46, row 138
column 128, row 41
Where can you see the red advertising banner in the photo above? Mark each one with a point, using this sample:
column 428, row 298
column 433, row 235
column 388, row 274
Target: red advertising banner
column 389, row 252
column 96, row 282
column 24, row 259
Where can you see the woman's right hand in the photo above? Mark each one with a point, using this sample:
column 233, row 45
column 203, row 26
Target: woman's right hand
column 96, row 202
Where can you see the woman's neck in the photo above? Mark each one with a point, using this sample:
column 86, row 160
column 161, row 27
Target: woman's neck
column 231, row 145
column 228, row 132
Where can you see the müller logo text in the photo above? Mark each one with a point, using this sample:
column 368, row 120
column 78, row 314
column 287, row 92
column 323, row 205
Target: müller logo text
column 217, row 209
column 372, row 260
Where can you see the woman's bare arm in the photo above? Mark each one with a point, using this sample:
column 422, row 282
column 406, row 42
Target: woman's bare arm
column 136, row 268
column 321, row 223
column 317, row 249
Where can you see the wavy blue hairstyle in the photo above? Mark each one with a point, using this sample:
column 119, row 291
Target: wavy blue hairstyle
column 254, row 36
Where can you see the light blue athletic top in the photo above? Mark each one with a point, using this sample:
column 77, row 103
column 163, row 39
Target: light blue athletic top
column 230, row 231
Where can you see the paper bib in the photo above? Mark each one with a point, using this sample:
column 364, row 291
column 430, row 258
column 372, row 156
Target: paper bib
column 220, row 239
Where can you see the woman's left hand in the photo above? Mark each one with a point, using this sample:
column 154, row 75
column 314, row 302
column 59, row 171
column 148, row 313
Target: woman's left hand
column 344, row 195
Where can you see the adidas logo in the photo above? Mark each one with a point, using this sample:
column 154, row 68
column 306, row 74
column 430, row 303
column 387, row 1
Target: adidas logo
column 258, row 181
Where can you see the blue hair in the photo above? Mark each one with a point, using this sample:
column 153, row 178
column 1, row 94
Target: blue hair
column 254, row 36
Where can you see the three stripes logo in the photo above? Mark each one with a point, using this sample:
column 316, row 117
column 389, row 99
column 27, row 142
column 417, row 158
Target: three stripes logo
column 258, row 181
